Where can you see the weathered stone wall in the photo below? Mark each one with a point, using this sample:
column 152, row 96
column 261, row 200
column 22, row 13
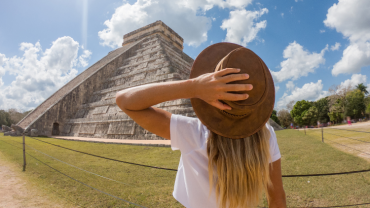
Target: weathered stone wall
column 156, row 60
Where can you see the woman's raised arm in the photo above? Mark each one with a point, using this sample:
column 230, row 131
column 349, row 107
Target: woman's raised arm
column 136, row 102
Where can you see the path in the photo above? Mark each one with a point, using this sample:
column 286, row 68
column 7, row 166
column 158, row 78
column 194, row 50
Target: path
column 363, row 147
column 354, row 125
column 160, row 143
column 15, row 192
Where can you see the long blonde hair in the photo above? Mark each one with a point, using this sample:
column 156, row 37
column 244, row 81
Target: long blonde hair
column 239, row 168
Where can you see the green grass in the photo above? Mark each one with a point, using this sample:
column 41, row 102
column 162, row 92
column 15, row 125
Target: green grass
column 301, row 154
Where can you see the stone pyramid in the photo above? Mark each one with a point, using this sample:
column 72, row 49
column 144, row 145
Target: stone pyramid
column 85, row 106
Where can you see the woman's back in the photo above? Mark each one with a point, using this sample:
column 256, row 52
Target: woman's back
column 189, row 136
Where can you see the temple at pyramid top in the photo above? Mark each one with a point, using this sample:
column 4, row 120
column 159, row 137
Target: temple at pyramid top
column 157, row 27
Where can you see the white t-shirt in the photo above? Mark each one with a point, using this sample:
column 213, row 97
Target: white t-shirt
column 189, row 136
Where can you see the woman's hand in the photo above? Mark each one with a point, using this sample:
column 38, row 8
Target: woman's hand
column 213, row 87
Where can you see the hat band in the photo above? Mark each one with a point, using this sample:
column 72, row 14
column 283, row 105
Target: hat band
column 239, row 116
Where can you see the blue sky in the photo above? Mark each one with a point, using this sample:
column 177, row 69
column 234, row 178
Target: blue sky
column 308, row 45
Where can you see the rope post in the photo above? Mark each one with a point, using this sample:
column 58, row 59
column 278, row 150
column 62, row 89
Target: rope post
column 24, row 153
column 322, row 134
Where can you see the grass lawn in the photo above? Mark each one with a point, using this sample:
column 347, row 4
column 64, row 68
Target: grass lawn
column 301, row 154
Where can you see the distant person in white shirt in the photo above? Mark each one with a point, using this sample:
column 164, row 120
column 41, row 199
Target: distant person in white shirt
column 229, row 154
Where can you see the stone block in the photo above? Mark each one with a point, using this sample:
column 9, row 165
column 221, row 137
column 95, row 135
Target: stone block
column 34, row 133
column 6, row 128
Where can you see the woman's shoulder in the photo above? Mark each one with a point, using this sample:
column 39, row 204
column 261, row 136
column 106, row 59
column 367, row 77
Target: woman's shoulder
column 188, row 132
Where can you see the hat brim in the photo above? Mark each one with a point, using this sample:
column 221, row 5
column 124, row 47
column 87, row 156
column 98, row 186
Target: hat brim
column 212, row 117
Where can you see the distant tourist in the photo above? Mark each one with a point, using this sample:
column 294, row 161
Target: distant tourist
column 349, row 120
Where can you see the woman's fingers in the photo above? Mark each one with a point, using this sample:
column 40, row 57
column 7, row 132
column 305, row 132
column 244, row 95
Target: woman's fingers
column 220, row 105
column 237, row 87
column 227, row 71
column 234, row 77
column 234, row 97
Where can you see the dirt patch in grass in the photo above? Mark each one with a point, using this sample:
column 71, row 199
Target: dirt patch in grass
column 16, row 192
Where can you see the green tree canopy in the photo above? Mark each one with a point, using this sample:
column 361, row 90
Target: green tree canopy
column 322, row 106
column 5, row 118
column 274, row 117
column 299, row 110
column 362, row 88
column 310, row 116
column 355, row 104
column 285, row 118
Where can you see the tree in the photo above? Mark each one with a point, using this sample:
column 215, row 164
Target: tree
column 336, row 113
column 285, row 118
column 11, row 116
column 338, row 101
column 355, row 104
column 310, row 116
column 298, row 111
column 290, row 105
column 362, row 88
column 368, row 109
column 5, row 118
column 322, row 106
column 274, row 117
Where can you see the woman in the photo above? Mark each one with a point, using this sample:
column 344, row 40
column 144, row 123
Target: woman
column 229, row 154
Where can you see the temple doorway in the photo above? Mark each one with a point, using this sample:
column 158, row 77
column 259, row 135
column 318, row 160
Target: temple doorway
column 55, row 129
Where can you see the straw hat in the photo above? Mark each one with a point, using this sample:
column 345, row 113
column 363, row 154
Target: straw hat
column 246, row 116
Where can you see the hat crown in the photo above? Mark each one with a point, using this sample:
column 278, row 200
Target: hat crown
column 248, row 63
column 247, row 116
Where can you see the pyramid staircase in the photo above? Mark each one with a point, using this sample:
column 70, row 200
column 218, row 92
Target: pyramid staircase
column 155, row 60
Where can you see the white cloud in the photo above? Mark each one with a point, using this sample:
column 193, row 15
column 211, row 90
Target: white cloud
column 322, row 31
column 242, row 27
column 355, row 56
column 282, row 14
column 335, row 47
column 3, row 59
column 355, row 80
column 209, row 4
column 277, row 88
column 39, row 74
column 356, row 28
column 84, row 58
column 299, row 62
column 290, row 85
column 310, row 91
column 180, row 16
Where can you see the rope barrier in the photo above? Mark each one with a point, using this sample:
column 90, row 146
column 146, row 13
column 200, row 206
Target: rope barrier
column 78, row 180
column 351, row 130
column 348, row 138
column 77, row 167
column 85, row 183
column 348, row 205
column 284, row 176
column 347, row 146
column 107, row 158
